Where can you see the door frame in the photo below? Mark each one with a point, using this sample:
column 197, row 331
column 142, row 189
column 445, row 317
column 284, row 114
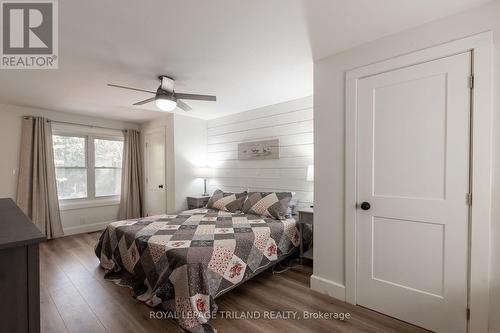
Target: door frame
column 481, row 47
column 158, row 130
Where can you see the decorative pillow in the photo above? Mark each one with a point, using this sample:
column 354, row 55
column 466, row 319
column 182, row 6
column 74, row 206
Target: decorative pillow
column 229, row 202
column 272, row 204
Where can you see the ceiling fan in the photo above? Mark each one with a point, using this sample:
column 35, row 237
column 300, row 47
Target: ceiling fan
column 166, row 99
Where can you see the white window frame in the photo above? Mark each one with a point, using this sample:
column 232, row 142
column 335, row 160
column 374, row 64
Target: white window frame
column 90, row 134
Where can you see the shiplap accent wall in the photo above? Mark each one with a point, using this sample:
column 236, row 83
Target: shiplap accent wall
column 291, row 122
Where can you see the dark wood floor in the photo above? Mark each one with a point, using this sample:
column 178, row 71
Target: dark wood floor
column 76, row 298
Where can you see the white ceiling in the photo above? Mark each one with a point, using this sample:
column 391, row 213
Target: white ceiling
column 248, row 53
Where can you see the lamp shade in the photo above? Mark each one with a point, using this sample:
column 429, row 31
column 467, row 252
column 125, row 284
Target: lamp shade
column 310, row 173
column 204, row 172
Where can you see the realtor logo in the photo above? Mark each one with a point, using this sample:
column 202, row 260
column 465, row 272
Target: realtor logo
column 29, row 34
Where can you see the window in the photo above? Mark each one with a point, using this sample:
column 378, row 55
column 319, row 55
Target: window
column 71, row 166
column 108, row 167
column 87, row 166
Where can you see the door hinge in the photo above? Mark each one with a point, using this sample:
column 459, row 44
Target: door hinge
column 468, row 314
column 469, row 199
column 471, row 81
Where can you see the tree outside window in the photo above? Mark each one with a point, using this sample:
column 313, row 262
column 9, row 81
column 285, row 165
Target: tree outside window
column 87, row 167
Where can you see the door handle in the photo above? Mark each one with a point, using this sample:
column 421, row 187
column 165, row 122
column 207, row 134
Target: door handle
column 365, row 205
column 160, row 186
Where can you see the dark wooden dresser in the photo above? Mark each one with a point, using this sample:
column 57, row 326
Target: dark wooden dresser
column 19, row 270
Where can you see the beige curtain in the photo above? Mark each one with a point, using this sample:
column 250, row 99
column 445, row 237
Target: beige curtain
column 131, row 201
column 36, row 187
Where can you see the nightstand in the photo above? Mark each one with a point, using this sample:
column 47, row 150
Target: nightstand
column 306, row 216
column 197, row 201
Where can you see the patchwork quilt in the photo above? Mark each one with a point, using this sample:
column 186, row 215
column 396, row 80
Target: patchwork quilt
column 181, row 263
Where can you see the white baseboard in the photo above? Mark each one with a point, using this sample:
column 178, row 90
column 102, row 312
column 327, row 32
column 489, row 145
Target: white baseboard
column 81, row 229
column 328, row 287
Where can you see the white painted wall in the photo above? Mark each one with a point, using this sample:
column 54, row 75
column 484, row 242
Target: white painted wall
column 190, row 151
column 74, row 220
column 329, row 132
column 291, row 122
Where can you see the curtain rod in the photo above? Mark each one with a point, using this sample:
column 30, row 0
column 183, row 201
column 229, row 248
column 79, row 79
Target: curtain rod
column 78, row 124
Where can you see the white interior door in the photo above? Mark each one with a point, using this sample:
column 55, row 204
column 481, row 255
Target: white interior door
column 413, row 170
column 156, row 194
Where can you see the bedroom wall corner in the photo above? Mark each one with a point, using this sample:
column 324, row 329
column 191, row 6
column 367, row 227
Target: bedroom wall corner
column 190, row 151
column 329, row 127
column 185, row 151
column 74, row 219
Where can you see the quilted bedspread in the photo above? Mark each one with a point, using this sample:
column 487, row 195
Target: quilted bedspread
column 183, row 262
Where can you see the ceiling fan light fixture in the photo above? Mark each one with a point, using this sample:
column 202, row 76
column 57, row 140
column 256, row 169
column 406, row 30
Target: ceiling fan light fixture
column 165, row 98
column 165, row 102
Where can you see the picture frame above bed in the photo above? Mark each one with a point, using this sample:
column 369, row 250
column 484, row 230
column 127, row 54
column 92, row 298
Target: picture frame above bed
column 259, row 150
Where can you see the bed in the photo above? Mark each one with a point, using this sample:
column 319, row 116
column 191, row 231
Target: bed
column 182, row 263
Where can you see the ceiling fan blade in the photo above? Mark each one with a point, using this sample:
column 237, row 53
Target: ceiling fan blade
column 145, row 101
column 196, row 97
column 136, row 89
column 183, row 106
